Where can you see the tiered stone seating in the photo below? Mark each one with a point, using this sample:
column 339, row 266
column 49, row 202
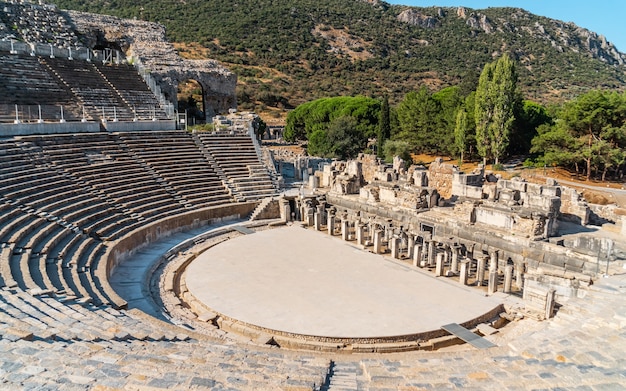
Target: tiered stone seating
column 237, row 158
column 89, row 346
column 112, row 172
column 97, row 95
column 44, row 209
column 174, row 156
column 65, row 197
column 26, row 83
column 133, row 89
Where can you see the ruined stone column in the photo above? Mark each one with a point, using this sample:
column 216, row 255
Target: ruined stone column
column 519, row 275
column 439, row 267
column 417, row 255
column 285, row 210
column 394, row 243
column 464, row 272
column 317, row 221
column 378, row 241
column 345, row 229
column 388, row 232
column 310, row 214
column 431, row 253
column 492, row 286
column 302, row 210
column 454, row 267
column 480, row 271
column 360, row 234
column 508, row 277
column 493, row 261
column 322, row 212
column 371, row 233
column 410, row 247
column 331, row 225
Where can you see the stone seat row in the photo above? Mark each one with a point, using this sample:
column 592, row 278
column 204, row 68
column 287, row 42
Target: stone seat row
column 74, row 194
column 78, row 336
column 173, row 176
column 45, row 317
column 78, row 85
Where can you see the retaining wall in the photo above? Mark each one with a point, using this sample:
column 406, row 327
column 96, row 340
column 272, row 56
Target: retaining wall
column 124, row 248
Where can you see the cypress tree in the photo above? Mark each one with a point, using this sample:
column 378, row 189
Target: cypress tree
column 384, row 127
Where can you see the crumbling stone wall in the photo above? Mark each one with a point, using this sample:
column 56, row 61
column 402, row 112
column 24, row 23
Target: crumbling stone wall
column 146, row 43
column 369, row 164
column 440, row 176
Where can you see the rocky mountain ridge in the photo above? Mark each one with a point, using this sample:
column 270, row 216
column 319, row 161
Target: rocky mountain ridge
column 561, row 35
column 286, row 55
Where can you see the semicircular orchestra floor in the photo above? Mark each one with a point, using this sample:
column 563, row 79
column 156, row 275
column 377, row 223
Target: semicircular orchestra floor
column 304, row 282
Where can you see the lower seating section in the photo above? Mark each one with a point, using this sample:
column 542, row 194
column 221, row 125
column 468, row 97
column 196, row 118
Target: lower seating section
column 237, row 157
column 64, row 199
column 174, row 157
column 64, row 345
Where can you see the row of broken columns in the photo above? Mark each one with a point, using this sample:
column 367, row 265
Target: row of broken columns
column 422, row 249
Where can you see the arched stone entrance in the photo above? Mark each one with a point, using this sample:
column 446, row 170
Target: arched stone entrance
column 218, row 88
column 190, row 99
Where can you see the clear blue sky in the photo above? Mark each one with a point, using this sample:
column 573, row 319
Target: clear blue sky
column 601, row 16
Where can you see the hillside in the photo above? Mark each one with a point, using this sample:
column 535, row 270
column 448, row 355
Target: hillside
column 286, row 55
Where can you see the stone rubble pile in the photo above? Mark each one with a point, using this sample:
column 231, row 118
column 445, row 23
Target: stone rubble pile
column 36, row 23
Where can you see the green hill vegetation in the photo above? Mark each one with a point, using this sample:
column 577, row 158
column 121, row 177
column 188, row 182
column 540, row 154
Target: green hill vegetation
column 567, row 108
column 286, row 54
column 586, row 135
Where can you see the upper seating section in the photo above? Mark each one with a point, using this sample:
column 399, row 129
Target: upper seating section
column 133, row 89
column 98, row 96
column 95, row 90
column 25, row 82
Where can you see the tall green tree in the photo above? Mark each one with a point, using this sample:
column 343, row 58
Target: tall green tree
column 449, row 100
column 460, row 132
column 589, row 135
column 318, row 114
column 344, row 138
column 496, row 97
column 384, row 126
column 483, row 111
column 417, row 118
column 598, row 120
column 529, row 116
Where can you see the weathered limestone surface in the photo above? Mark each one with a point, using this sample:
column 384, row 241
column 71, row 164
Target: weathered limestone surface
column 145, row 42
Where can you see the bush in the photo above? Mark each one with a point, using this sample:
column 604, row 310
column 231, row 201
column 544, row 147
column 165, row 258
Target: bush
column 397, row 148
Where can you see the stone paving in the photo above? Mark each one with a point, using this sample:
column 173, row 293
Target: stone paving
column 74, row 347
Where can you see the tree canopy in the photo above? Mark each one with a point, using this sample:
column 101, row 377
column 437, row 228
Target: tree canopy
column 588, row 134
column 496, row 100
column 335, row 127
